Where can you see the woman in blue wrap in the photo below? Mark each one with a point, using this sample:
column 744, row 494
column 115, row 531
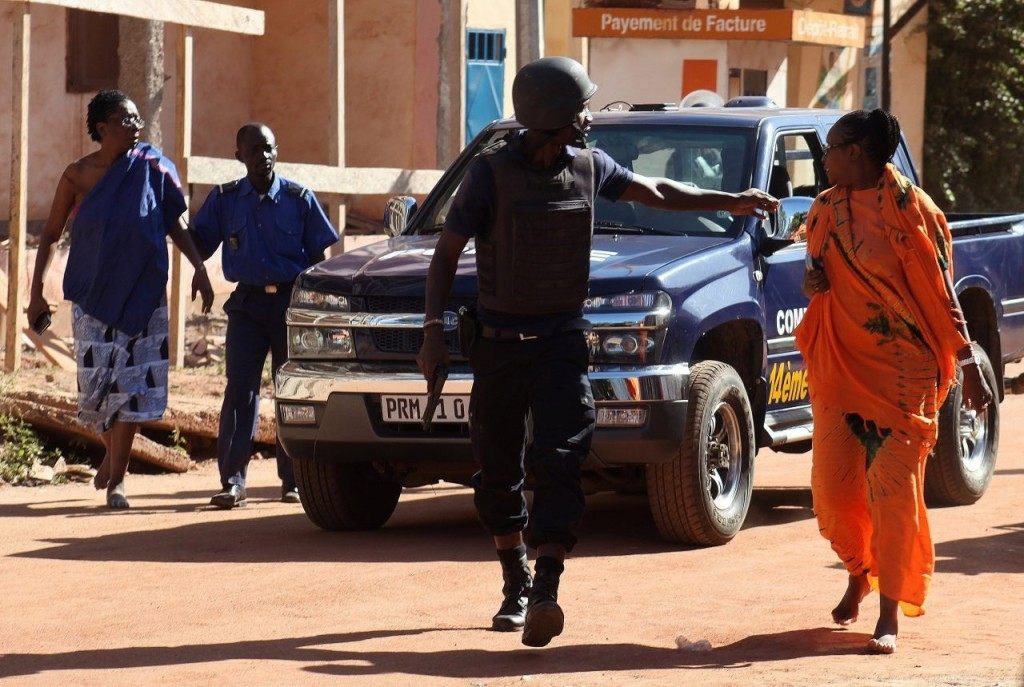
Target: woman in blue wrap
column 124, row 200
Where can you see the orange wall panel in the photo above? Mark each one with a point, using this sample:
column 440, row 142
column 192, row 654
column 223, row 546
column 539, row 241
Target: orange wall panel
column 699, row 74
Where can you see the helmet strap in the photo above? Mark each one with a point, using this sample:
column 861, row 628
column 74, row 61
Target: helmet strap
column 580, row 141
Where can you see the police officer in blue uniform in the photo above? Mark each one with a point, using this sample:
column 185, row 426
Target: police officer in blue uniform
column 271, row 230
column 528, row 202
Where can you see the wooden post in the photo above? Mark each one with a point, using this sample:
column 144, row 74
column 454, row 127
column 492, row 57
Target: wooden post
column 886, row 48
column 179, row 293
column 336, row 110
column 529, row 31
column 451, row 84
column 14, row 321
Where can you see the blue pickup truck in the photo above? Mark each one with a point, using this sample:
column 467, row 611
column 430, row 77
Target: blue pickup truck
column 693, row 363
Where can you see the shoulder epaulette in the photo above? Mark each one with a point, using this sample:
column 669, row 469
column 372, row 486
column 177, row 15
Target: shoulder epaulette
column 294, row 188
column 229, row 186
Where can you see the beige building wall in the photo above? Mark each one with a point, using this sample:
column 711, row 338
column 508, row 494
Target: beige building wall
column 614, row 67
column 558, row 38
column 763, row 56
column 57, row 121
column 824, row 76
column 908, row 66
column 281, row 78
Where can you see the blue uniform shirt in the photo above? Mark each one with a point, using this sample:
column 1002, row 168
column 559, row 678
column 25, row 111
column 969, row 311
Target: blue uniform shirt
column 266, row 240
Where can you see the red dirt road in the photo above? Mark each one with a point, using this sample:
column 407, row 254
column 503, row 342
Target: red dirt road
column 172, row 592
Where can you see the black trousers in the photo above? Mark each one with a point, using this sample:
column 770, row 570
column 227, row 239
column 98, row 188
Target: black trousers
column 546, row 377
column 256, row 326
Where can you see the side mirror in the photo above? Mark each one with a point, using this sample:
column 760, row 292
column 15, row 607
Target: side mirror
column 786, row 222
column 397, row 214
column 791, row 215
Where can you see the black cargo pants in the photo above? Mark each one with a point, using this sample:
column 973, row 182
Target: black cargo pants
column 546, row 377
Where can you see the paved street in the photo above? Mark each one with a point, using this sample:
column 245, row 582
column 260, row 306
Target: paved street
column 174, row 593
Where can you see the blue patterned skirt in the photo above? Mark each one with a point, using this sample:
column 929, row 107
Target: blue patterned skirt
column 120, row 377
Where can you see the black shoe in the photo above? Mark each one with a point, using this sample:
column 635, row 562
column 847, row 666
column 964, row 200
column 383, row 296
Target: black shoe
column 515, row 571
column 544, row 617
column 232, row 497
column 290, row 495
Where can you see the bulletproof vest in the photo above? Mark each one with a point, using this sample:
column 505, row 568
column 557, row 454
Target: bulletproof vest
column 534, row 259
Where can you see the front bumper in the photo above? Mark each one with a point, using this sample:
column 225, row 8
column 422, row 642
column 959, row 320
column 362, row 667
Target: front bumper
column 346, row 397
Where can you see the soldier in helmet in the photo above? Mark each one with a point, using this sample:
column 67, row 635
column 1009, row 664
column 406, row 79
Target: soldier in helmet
column 528, row 202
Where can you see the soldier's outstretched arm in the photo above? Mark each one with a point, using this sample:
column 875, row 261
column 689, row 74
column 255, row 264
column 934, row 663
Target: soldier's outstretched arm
column 666, row 194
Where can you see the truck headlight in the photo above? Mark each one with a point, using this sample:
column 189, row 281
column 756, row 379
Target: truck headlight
column 320, row 342
column 618, row 346
column 649, row 302
column 628, row 327
column 318, row 300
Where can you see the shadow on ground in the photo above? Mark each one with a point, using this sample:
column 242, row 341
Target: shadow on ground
column 613, row 525
column 322, row 651
column 1002, row 552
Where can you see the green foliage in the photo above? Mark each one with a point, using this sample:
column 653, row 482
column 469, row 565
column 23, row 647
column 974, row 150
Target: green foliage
column 20, row 448
column 178, row 442
column 974, row 122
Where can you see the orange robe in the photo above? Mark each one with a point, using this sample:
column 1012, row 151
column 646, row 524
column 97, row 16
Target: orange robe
column 880, row 348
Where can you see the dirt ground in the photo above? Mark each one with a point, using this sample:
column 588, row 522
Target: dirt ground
column 172, row 592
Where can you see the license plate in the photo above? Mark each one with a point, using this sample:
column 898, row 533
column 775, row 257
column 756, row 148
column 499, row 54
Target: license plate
column 450, row 409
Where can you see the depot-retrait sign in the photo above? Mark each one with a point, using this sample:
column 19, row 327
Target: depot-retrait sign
column 800, row 26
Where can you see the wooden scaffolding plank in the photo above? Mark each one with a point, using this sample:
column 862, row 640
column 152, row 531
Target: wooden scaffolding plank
column 198, row 13
column 322, row 178
column 178, row 302
column 22, row 38
column 49, row 344
column 336, row 110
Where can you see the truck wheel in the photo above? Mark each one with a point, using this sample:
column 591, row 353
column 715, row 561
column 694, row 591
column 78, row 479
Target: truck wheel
column 345, row 496
column 702, row 496
column 959, row 469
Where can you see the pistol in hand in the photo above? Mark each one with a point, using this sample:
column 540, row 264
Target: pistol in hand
column 434, row 386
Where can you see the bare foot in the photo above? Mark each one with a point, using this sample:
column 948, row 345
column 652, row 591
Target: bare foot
column 884, row 639
column 102, row 478
column 884, row 644
column 849, row 606
column 115, row 497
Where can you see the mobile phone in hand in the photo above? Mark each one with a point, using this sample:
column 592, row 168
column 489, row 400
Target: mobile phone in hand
column 42, row 323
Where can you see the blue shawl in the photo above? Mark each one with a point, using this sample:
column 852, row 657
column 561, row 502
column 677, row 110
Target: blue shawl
column 117, row 265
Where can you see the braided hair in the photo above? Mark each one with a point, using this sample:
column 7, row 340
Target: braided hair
column 102, row 105
column 877, row 132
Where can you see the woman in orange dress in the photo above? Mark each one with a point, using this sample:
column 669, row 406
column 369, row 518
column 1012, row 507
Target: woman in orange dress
column 882, row 339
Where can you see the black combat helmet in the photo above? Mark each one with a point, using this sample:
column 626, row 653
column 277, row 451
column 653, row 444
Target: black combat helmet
column 548, row 93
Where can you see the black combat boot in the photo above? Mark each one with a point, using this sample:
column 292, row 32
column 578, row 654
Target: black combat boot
column 515, row 571
column 544, row 617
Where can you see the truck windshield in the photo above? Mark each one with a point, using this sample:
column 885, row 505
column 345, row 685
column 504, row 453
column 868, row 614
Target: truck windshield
column 702, row 157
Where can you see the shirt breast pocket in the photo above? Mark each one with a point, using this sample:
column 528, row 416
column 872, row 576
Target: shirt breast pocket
column 286, row 237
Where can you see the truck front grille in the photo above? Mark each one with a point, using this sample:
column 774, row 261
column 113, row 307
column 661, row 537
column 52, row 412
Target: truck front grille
column 408, row 341
column 405, row 340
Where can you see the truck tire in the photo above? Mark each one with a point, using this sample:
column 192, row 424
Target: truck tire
column 959, row 469
column 702, row 496
column 345, row 496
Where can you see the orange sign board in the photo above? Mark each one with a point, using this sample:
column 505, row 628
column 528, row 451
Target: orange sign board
column 828, row 29
column 764, row 25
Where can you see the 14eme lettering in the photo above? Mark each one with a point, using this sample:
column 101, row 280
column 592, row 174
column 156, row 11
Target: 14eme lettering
column 786, row 383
